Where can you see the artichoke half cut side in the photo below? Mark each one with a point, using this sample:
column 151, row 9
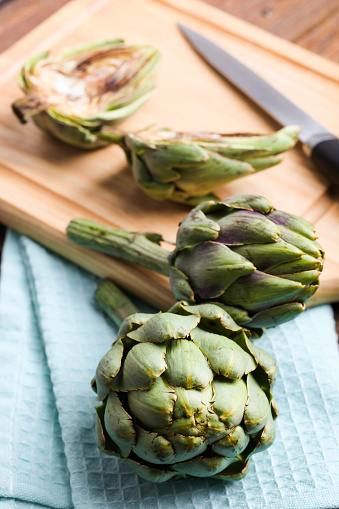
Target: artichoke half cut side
column 185, row 393
column 73, row 94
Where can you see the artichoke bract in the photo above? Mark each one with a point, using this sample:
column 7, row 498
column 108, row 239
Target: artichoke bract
column 73, row 94
column 260, row 262
column 187, row 167
column 185, row 393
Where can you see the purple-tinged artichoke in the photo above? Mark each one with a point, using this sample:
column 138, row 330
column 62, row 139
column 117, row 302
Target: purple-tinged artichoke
column 262, row 263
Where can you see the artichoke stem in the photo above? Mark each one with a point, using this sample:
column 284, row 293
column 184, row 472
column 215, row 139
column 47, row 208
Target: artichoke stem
column 140, row 248
column 116, row 137
column 28, row 106
column 114, row 302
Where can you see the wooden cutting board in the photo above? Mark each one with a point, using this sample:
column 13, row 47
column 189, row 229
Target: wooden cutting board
column 44, row 184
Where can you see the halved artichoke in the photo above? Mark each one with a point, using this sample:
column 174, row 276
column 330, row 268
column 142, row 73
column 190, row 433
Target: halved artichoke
column 73, row 94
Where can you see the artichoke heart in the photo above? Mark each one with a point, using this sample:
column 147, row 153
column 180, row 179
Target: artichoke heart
column 74, row 93
column 187, row 394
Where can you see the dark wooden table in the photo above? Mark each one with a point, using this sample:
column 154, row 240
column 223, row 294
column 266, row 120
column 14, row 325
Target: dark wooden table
column 312, row 24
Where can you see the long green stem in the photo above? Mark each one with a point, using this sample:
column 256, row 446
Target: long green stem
column 114, row 302
column 141, row 248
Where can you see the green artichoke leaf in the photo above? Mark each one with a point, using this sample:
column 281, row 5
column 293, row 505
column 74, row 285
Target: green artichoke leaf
column 165, row 326
column 104, row 441
column 185, row 426
column 258, row 291
column 216, row 429
column 261, row 163
column 263, row 359
column 186, row 365
column 305, row 278
column 247, row 145
column 23, row 80
column 204, row 466
column 67, row 130
column 233, row 444
column 233, row 150
column 162, row 161
column 234, row 472
column 257, row 408
column 156, row 190
column 230, row 400
column 276, row 315
column 151, row 473
column 292, row 222
column 182, row 307
column 262, row 440
column 153, row 407
column 88, row 125
column 267, row 435
column 153, row 448
column 143, row 364
column 108, row 370
column 213, row 172
column 119, row 111
column 268, row 255
column 246, row 227
column 180, row 285
column 223, row 355
column 301, row 264
column 191, row 401
column 248, row 202
column 160, row 174
column 187, row 447
column 303, row 243
column 132, row 322
column 196, row 228
column 210, row 280
column 213, row 207
column 119, row 425
column 214, row 318
column 307, row 292
column 238, row 315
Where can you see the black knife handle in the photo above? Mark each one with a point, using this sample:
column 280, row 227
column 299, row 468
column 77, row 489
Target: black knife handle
column 325, row 156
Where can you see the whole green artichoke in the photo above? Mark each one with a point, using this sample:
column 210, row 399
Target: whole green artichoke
column 74, row 93
column 261, row 262
column 187, row 167
column 185, row 393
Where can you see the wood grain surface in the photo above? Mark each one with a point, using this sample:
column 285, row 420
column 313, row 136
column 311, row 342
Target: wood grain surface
column 316, row 32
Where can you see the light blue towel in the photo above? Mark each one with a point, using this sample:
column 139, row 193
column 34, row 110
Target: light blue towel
column 300, row 470
column 32, row 461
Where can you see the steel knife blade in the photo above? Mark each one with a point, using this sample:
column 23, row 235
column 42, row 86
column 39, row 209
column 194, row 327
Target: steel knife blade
column 319, row 143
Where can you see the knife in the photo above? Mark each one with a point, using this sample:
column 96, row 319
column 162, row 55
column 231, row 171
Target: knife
column 318, row 143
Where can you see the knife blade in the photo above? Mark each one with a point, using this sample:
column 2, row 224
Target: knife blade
column 318, row 142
